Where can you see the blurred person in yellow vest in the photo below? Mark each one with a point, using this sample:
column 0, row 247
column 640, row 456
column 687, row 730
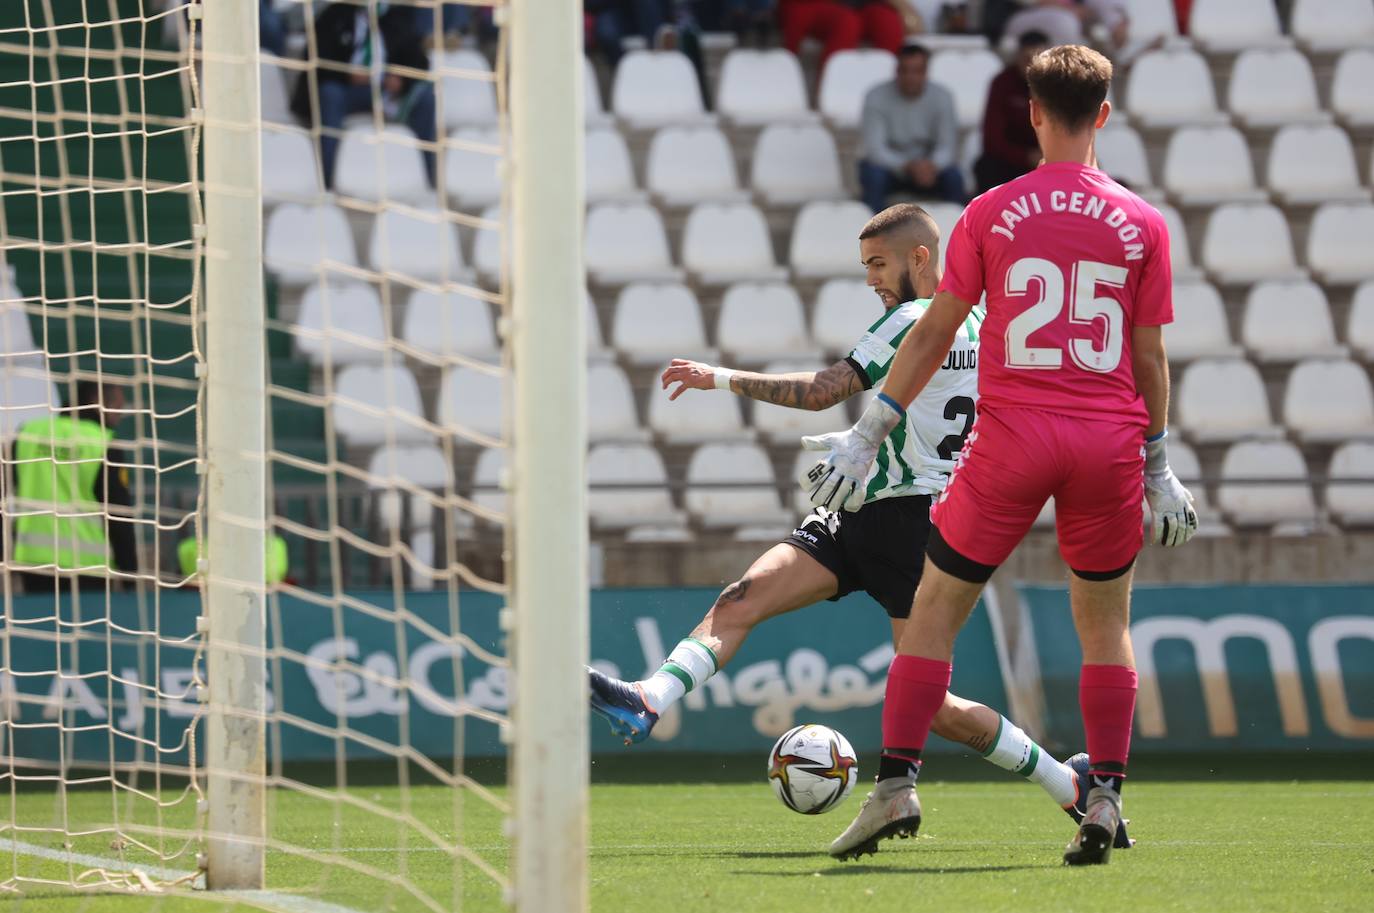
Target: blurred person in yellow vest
column 278, row 561
column 71, row 503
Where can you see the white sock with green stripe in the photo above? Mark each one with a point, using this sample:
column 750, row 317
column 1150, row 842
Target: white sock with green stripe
column 690, row 664
column 1013, row 750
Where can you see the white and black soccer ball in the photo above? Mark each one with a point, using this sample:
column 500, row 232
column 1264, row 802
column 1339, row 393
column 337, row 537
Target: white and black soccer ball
column 812, row 768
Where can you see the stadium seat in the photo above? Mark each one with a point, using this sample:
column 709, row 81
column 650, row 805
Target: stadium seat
column 825, row 240
column 732, row 485
column 452, row 323
column 596, row 343
column 655, row 88
column 1248, row 242
column 16, row 335
column 1338, row 243
column 26, row 392
column 386, row 166
column 276, row 101
column 783, row 424
column 1272, row 87
column 762, row 322
column 1199, row 329
column 472, row 405
column 846, row 79
column 488, row 489
column 397, row 470
column 728, row 242
column 290, row 168
column 1223, row 400
column 967, row 75
column 1180, row 253
column 341, row 323
column 794, row 164
column 946, row 215
column 642, row 496
column 304, row 242
column 609, row 175
column 1287, row 321
column 1151, row 20
column 1329, row 400
column 805, row 459
column 1351, row 99
column 1172, row 87
column 658, row 321
column 1184, row 462
column 467, row 93
column 1359, row 330
column 1331, row 25
column 472, row 167
column 696, row 416
column 1121, row 153
column 1264, row 483
column 1207, row 165
column 378, row 404
column 486, row 245
column 1350, row 489
column 420, row 245
column 614, row 417
column 1313, row 164
column 1233, row 25
column 844, row 309
column 761, row 87
column 689, row 165
column 624, row 243
column 593, row 108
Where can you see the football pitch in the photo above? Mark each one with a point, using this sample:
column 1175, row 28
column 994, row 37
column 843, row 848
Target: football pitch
column 1218, row 834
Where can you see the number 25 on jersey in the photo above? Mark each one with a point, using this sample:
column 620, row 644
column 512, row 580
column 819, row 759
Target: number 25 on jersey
column 1085, row 307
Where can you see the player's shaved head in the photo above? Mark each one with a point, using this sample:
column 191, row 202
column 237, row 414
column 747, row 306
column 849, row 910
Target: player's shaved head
column 905, row 222
column 1070, row 83
column 900, row 249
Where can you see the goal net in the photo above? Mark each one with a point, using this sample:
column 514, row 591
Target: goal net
column 267, row 593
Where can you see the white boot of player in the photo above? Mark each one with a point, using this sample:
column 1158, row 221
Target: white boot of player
column 891, row 810
column 1092, row 845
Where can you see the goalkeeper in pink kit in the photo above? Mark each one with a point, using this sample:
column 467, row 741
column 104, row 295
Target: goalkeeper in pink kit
column 1075, row 389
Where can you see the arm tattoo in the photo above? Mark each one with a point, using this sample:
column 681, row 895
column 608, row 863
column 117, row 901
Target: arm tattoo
column 813, row 390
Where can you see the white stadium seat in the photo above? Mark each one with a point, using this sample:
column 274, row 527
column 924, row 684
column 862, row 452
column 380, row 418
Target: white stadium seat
column 1121, row 153
column 658, row 321
column 761, row 87
column 1351, row 99
column 1151, row 19
column 846, row 79
column 1277, row 490
column 783, row 424
column 1180, row 253
column 844, row 309
column 762, row 322
column 486, row 245
column 945, row 215
column 642, row 496
column 1199, row 329
column 732, row 485
column 472, row 167
column 696, row 416
column 467, row 93
column 794, row 164
column 26, row 393
column 596, row 344
column 1313, row 164
column 624, row 243
column 1359, row 330
column 420, row 245
column 385, row 166
column 1184, row 462
column 609, row 174
column 825, row 240
column 1248, row 242
column 290, row 167
column 16, row 336
column 1273, row 86
column 1172, row 87
column 655, row 88
column 728, row 242
column 276, row 101
column 1338, row 243
column 303, row 242
column 1329, row 400
column 1330, row 25
column 340, row 323
column 1232, row 25
column 1206, row 165
column 1287, row 321
column 488, row 490
column 399, row 469
column 593, row 109
column 967, row 75
column 451, row 324
column 1223, row 400
column 472, row 404
column 614, row 417
column 378, row 404
column 692, row 164
column 1350, row 491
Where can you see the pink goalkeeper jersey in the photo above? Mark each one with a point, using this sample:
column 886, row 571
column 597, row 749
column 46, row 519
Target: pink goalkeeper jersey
column 1071, row 262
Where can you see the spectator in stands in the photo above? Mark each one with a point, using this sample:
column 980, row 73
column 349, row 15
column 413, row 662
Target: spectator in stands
column 271, row 29
column 841, row 24
column 910, row 135
column 1010, row 148
column 614, row 20
column 354, row 74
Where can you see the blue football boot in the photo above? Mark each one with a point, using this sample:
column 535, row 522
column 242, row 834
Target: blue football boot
column 1079, row 763
column 623, row 706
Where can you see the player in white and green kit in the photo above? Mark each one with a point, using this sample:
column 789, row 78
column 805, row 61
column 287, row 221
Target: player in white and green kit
column 878, row 549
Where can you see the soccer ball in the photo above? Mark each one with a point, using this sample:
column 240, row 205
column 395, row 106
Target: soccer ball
column 812, row 768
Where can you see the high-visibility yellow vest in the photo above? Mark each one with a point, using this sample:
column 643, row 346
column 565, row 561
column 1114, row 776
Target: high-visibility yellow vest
column 278, row 561
column 59, row 522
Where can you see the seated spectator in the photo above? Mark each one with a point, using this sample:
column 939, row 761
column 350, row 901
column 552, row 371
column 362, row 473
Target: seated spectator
column 841, row 24
column 359, row 77
column 615, row 20
column 271, row 29
column 910, row 135
column 1010, row 148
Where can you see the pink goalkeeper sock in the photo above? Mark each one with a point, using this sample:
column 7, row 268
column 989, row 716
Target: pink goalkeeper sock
column 1106, row 695
column 916, row 689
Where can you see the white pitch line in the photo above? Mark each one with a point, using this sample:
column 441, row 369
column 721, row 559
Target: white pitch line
column 268, row 900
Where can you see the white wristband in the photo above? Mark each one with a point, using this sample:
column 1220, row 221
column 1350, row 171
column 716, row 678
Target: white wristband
column 722, row 378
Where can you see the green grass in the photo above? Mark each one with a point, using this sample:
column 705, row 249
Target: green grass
column 1214, row 835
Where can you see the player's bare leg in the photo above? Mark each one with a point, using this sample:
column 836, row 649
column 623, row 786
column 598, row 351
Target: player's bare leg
column 783, row 579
